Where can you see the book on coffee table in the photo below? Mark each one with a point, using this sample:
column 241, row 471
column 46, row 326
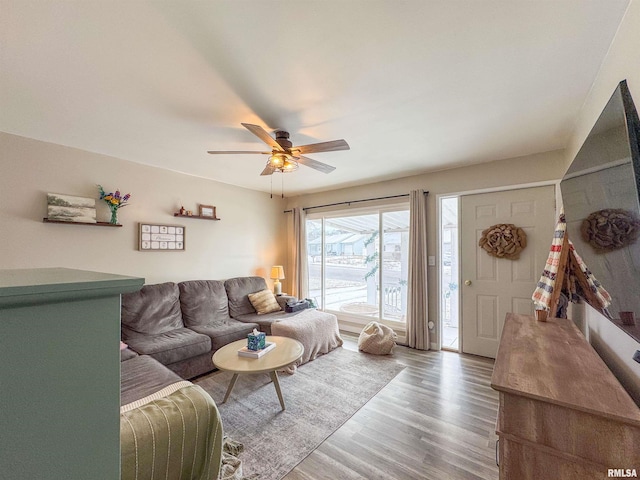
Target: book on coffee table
column 245, row 352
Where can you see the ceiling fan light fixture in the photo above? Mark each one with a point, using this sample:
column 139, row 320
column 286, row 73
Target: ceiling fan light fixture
column 277, row 160
column 282, row 163
column 284, row 157
column 289, row 166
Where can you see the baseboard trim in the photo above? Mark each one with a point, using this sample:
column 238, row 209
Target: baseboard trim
column 352, row 327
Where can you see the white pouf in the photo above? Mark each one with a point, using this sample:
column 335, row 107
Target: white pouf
column 377, row 339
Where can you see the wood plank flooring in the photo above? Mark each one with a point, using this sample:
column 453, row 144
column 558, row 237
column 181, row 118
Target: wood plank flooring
column 434, row 421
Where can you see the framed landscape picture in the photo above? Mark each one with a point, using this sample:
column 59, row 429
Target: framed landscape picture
column 161, row 238
column 70, row 208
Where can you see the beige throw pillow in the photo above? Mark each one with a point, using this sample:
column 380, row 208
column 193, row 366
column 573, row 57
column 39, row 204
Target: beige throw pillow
column 264, row 302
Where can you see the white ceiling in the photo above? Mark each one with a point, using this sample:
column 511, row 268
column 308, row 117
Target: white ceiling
column 412, row 85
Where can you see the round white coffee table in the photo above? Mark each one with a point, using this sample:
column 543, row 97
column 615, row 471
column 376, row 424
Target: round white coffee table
column 286, row 351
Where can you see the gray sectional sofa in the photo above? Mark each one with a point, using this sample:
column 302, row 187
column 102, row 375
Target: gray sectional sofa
column 181, row 325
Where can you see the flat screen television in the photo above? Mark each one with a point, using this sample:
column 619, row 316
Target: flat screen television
column 601, row 197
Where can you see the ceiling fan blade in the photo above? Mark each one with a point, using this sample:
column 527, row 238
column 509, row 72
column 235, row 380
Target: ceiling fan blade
column 316, row 165
column 225, row 152
column 262, row 134
column 332, row 146
column 268, row 170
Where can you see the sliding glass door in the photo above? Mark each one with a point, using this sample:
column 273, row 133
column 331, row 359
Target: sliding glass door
column 314, row 259
column 356, row 270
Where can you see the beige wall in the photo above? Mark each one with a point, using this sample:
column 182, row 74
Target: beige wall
column 246, row 241
column 622, row 62
column 518, row 171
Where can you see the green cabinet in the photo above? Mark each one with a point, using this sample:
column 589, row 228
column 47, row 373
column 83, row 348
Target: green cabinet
column 60, row 373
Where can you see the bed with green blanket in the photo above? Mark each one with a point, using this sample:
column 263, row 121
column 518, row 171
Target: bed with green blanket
column 170, row 429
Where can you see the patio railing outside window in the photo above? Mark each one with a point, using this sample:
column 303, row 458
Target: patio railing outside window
column 349, row 259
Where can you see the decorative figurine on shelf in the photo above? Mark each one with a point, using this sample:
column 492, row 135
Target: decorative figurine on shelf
column 114, row 202
column 189, row 213
column 182, row 211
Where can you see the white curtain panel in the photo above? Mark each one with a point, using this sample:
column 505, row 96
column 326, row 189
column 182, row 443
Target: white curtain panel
column 418, row 303
column 300, row 278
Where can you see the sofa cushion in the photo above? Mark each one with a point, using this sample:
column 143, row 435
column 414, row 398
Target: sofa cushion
column 264, row 302
column 226, row 332
column 238, row 290
column 143, row 376
column 203, row 302
column 264, row 321
column 172, row 346
column 127, row 354
column 152, row 310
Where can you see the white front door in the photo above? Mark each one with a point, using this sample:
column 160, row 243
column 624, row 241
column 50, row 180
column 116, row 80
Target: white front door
column 492, row 287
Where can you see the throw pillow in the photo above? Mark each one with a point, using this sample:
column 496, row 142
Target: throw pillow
column 264, row 302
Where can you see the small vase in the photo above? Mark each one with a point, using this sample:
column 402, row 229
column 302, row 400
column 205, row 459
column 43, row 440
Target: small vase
column 114, row 216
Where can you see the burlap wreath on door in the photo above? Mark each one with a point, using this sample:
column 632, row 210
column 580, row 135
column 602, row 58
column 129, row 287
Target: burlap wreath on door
column 503, row 240
column 610, row 229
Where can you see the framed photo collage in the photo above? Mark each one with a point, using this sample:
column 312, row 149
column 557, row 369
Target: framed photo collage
column 165, row 238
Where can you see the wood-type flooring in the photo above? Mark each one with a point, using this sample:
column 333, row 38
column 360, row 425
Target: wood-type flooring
column 435, row 420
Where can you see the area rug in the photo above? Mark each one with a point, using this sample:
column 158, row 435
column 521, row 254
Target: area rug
column 319, row 397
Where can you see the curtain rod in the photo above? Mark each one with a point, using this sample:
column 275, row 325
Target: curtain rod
column 353, row 201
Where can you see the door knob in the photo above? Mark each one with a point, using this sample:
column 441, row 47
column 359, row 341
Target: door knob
column 467, row 282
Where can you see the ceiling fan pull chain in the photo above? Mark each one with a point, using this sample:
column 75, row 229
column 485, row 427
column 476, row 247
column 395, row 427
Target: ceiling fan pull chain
column 282, row 185
column 271, row 186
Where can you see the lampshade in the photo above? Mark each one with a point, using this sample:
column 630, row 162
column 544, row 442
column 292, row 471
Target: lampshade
column 277, row 272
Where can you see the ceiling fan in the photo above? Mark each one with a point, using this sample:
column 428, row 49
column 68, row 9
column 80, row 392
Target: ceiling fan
column 284, row 157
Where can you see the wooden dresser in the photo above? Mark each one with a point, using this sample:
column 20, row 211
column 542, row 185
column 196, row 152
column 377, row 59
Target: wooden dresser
column 563, row 415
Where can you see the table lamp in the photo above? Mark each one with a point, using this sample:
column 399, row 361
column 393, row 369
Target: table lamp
column 277, row 274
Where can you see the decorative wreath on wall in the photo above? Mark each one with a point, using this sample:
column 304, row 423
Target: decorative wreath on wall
column 503, row 240
column 610, row 229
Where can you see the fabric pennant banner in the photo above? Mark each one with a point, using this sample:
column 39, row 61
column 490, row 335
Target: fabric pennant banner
column 544, row 291
column 596, row 287
column 542, row 294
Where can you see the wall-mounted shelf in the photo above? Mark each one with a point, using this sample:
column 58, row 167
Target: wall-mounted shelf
column 195, row 216
column 97, row 224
